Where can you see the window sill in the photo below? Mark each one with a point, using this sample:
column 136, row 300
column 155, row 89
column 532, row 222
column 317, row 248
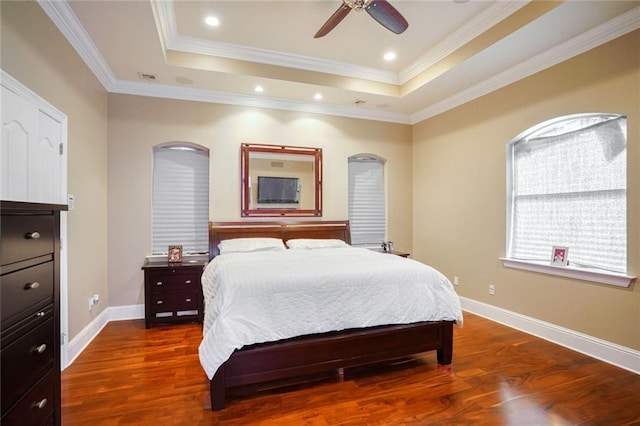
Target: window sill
column 598, row 276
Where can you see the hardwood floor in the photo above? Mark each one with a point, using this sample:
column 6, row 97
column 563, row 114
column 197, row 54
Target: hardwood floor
column 134, row 376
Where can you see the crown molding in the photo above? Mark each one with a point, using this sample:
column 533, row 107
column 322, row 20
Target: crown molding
column 67, row 22
column 491, row 16
column 174, row 41
column 271, row 57
column 614, row 28
column 218, row 97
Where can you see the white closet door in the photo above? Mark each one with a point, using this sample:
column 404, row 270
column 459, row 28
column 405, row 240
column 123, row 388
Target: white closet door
column 32, row 150
column 19, row 132
column 46, row 161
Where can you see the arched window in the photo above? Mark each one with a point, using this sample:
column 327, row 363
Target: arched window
column 367, row 216
column 180, row 197
column 567, row 187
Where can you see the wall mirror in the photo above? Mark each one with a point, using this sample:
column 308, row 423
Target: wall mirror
column 280, row 180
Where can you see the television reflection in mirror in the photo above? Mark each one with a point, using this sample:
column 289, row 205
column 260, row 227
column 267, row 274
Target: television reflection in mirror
column 278, row 190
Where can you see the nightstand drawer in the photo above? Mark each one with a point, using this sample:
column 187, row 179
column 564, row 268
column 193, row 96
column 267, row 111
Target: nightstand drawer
column 37, row 406
column 34, row 353
column 174, row 302
column 173, row 281
column 25, row 288
column 25, row 237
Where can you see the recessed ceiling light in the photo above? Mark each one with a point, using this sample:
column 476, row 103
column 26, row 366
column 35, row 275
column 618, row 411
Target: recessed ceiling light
column 259, row 89
column 212, row 21
column 389, row 56
column 317, row 96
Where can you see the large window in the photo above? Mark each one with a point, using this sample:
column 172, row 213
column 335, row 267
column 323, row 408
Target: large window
column 367, row 217
column 567, row 186
column 180, row 197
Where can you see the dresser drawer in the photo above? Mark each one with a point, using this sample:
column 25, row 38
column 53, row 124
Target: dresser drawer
column 174, row 302
column 25, row 360
column 25, row 237
column 173, row 280
column 37, row 406
column 25, row 288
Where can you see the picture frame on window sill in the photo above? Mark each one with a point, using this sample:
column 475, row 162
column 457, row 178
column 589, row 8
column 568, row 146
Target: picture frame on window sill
column 559, row 256
column 175, row 254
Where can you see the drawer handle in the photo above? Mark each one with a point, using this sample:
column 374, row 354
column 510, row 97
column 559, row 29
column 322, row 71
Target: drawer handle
column 187, row 300
column 39, row 349
column 32, row 235
column 159, row 302
column 159, row 283
column 187, row 282
column 32, row 286
column 40, row 404
column 40, row 314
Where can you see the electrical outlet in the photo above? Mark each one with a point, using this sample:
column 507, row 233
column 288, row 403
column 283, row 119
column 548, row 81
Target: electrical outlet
column 93, row 301
column 456, row 281
column 492, row 289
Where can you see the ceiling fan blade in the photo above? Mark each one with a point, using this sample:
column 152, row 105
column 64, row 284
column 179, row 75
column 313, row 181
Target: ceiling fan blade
column 334, row 20
column 387, row 15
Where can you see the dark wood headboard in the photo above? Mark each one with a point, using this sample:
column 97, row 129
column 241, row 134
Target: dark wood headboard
column 218, row 231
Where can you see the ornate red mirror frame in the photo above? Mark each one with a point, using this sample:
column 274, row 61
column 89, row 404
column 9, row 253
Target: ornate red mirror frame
column 281, row 157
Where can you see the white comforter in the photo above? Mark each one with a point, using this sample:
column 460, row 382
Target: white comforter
column 266, row 296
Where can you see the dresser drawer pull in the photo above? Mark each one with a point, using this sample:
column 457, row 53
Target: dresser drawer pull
column 187, row 300
column 159, row 283
column 187, row 282
column 39, row 349
column 40, row 404
column 32, row 235
column 32, row 286
column 40, row 314
column 159, row 302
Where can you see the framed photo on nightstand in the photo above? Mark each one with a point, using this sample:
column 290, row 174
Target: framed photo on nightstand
column 175, row 254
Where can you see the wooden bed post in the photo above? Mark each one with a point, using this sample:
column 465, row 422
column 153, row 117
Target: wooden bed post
column 217, row 388
column 445, row 354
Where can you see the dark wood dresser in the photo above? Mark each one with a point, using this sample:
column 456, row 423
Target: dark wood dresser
column 30, row 313
column 172, row 292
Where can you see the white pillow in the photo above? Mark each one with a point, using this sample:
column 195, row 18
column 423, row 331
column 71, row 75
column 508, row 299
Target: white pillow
column 245, row 245
column 308, row 243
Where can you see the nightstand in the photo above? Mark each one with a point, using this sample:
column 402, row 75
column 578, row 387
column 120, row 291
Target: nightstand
column 172, row 292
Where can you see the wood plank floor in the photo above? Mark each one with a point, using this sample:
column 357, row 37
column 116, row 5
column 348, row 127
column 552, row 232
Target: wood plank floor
column 132, row 376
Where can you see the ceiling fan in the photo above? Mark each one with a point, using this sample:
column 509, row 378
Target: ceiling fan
column 380, row 10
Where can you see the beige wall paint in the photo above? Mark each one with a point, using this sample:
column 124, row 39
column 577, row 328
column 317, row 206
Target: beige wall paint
column 36, row 54
column 137, row 123
column 460, row 186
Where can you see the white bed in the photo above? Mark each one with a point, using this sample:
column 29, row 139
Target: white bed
column 264, row 296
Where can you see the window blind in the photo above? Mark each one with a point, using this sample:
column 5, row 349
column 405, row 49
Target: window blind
column 180, row 198
column 366, row 201
column 569, row 188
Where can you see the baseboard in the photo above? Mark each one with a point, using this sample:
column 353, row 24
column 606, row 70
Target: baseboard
column 611, row 353
column 82, row 339
column 123, row 313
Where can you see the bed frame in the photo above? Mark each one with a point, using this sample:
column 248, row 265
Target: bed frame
column 318, row 352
